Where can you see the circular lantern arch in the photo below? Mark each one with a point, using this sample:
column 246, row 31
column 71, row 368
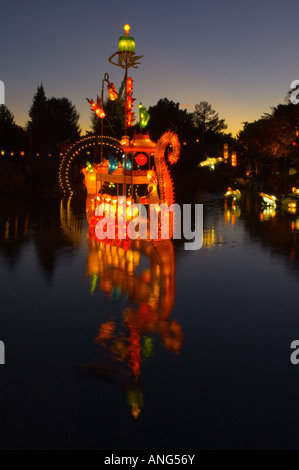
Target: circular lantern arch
column 83, row 144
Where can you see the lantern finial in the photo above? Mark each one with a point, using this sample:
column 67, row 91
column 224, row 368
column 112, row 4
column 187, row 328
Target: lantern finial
column 127, row 28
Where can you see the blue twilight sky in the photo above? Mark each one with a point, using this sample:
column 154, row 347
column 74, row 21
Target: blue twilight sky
column 240, row 56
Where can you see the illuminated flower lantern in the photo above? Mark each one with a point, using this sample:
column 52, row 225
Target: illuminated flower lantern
column 126, row 51
column 126, row 44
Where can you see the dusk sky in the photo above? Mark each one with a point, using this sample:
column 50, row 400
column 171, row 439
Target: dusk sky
column 239, row 56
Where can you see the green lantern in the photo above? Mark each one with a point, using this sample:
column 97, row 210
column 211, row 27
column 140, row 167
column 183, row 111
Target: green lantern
column 144, row 116
column 126, row 57
column 126, row 43
column 89, row 167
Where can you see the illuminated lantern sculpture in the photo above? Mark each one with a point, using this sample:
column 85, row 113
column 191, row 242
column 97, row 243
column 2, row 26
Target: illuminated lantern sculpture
column 126, row 44
column 152, row 188
column 113, row 95
column 129, row 119
column 169, row 138
column 225, row 152
column 126, row 51
column 97, row 107
column 90, row 179
column 100, row 113
column 129, row 100
column 89, row 167
column 144, row 116
column 141, row 159
column 128, row 163
column 113, row 164
column 234, row 159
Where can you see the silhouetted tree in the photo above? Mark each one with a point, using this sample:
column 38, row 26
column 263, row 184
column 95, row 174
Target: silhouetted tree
column 274, row 135
column 37, row 126
column 209, row 126
column 6, row 116
column 12, row 137
column 167, row 115
column 52, row 121
column 207, row 119
column 63, row 121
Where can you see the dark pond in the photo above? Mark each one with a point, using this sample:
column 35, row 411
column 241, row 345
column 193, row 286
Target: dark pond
column 146, row 346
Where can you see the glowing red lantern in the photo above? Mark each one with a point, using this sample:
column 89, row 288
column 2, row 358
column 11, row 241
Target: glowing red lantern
column 130, row 103
column 129, row 85
column 141, row 159
column 129, row 119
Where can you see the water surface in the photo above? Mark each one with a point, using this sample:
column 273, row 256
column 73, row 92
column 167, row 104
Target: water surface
column 146, row 346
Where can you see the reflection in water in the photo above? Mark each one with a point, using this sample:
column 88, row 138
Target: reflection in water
column 70, row 223
column 41, row 226
column 295, row 225
column 14, row 227
column 232, row 212
column 213, row 231
column 251, row 311
column 211, row 237
column 275, row 227
column 138, row 276
column 267, row 214
column 272, row 225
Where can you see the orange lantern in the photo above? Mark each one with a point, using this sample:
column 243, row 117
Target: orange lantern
column 97, row 107
column 100, row 113
column 113, row 95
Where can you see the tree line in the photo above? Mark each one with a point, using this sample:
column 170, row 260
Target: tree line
column 274, row 137
column 54, row 123
column 51, row 123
